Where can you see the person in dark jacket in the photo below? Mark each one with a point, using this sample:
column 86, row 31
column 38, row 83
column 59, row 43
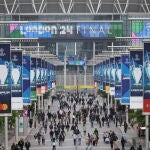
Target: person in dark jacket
column 27, row 145
column 132, row 148
column 13, row 146
column 21, row 144
column 140, row 147
column 123, row 142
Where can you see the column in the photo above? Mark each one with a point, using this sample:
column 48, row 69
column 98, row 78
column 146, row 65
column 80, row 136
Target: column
column 6, row 133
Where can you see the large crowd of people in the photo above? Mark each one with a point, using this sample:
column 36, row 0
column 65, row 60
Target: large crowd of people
column 75, row 109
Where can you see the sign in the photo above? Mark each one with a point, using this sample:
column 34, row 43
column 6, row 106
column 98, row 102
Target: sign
column 48, row 76
column 43, row 77
column 146, row 102
column 104, row 75
column 101, row 76
column 33, row 76
column 117, row 78
column 112, row 76
column 67, row 30
column 38, row 76
column 125, row 99
column 17, row 100
column 26, row 80
column 136, row 79
column 5, row 80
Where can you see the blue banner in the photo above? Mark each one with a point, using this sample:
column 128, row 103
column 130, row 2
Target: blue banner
column 107, row 71
column 16, row 58
column 48, row 75
column 5, row 80
column 26, row 80
column 117, row 77
column 136, row 79
column 125, row 99
column 146, row 103
column 104, row 74
column 101, row 76
column 33, row 79
column 38, row 76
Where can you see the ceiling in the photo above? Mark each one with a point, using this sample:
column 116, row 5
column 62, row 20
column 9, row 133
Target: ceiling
column 74, row 6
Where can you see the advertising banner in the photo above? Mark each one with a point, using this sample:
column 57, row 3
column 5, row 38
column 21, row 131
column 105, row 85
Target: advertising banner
column 26, row 80
column 125, row 99
column 17, row 99
column 38, row 76
column 107, row 71
column 66, row 30
column 101, row 76
column 48, row 76
column 146, row 101
column 136, row 79
column 104, row 75
column 33, row 79
column 118, row 77
column 5, row 80
column 43, row 77
column 112, row 76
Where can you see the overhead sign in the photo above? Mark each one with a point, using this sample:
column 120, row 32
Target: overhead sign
column 26, row 80
column 66, row 30
column 17, row 100
column 5, row 80
column 136, row 79
column 146, row 101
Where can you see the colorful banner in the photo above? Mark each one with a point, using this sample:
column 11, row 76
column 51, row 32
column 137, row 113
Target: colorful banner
column 17, row 100
column 101, row 76
column 33, row 75
column 5, row 80
column 38, row 76
column 104, row 75
column 66, row 30
column 43, row 77
column 136, row 79
column 48, row 76
column 118, row 78
column 26, row 80
column 125, row 99
column 112, row 76
column 107, row 71
column 146, row 101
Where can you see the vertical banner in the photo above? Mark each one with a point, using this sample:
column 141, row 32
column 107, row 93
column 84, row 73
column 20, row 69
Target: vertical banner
column 101, row 76
column 46, row 76
column 107, row 76
column 104, row 75
column 146, row 102
column 5, row 80
column 112, row 76
column 33, row 79
column 118, row 78
column 125, row 99
column 136, row 79
column 26, row 80
column 38, row 76
column 43, row 77
column 17, row 100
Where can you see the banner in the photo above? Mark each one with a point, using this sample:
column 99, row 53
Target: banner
column 43, row 77
column 17, row 100
column 136, row 79
column 112, row 76
column 117, row 77
column 46, row 76
column 125, row 99
column 33, row 79
column 5, row 80
column 104, row 74
column 26, row 80
column 101, row 76
column 146, row 101
column 38, row 76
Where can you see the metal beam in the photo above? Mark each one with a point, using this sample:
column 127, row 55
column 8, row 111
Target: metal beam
column 13, row 6
column 92, row 8
column 145, row 1
column 33, row 5
column 6, row 7
column 41, row 6
column 98, row 6
column 62, row 6
column 127, row 4
column 70, row 6
column 89, row 8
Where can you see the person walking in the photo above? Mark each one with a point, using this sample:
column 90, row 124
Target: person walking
column 140, row 147
column 132, row 148
column 13, row 146
column 123, row 142
column 21, row 144
column 27, row 145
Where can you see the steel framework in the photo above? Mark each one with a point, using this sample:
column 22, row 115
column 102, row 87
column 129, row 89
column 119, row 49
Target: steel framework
column 74, row 6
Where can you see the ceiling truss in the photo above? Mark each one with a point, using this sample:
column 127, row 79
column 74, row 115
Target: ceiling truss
column 74, row 6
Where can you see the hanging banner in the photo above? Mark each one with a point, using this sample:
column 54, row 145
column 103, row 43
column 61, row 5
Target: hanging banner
column 104, row 75
column 146, row 102
column 136, row 79
column 112, row 76
column 5, row 80
column 17, row 99
column 33, row 79
column 46, row 76
column 101, row 76
column 26, row 80
column 117, row 78
column 38, row 76
column 43, row 77
column 125, row 99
